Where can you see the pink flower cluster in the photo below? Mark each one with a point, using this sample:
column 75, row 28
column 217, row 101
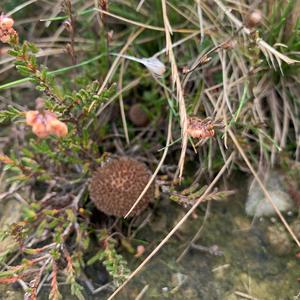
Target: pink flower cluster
column 45, row 123
column 6, row 29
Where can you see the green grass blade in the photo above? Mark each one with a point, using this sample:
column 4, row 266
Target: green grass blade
column 55, row 72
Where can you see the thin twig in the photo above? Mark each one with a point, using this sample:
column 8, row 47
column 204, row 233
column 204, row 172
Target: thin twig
column 179, row 89
column 121, row 103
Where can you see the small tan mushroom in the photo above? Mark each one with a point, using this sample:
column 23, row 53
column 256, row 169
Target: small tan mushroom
column 138, row 116
column 116, row 186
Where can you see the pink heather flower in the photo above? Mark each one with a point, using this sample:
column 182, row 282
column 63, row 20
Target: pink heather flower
column 58, row 128
column 45, row 123
column 6, row 29
column 6, row 22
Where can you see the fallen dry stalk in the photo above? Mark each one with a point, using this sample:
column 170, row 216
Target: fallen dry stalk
column 179, row 90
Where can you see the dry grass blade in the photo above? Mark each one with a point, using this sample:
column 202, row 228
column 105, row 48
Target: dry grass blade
column 197, row 235
column 245, row 112
column 175, row 228
column 178, row 43
column 142, row 25
column 245, row 296
column 116, row 61
column 121, row 102
column 200, row 16
column 270, row 53
column 179, row 90
column 140, row 5
column 157, row 169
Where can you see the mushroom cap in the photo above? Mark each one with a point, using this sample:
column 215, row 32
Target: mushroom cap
column 116, row 186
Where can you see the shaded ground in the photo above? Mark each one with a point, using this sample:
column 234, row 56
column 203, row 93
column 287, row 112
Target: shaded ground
column 249, row 266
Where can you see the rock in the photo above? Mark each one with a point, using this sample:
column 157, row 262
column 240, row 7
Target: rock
column 257, row 204
column 279, row 240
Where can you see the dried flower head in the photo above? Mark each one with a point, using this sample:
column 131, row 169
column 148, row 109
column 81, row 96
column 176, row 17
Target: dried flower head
column 153, row 64
column 200, row 129
column 116, row 186
column 45, row 123
column 6, row 29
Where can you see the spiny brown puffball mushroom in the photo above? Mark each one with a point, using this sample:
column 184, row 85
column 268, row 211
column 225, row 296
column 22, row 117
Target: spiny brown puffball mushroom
column 116, row 186
column 138, row 116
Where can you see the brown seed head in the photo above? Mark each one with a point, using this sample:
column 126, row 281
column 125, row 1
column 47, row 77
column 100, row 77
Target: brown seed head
column 138, row 116
column 116, row 186
column 200, row 129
